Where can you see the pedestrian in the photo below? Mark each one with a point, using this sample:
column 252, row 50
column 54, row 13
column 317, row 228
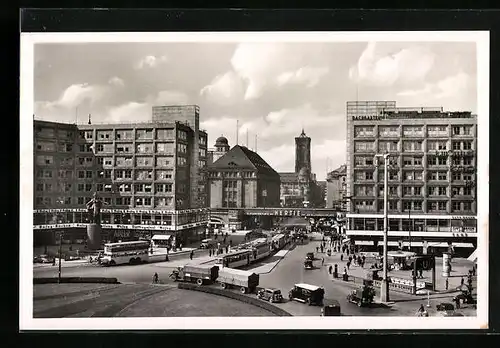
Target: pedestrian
column 330, row 269
column 363, row 258
column 191, row 255
column 421, row 273
column 462, row 282
column 350, row 257
column 446, row 283
column 209, row 252
column 317, row 248
column 341, row 257
column 155, row 278
column 322, row 261
column 180, row 246
column 227, row 249
column 348, row 264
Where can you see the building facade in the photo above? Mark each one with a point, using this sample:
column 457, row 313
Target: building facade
column 336, row 188
column 432, row 177
column 150, row 176
column 302, row 152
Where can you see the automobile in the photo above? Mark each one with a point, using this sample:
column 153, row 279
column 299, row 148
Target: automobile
column 207, row 243
column 308, row 264
column 310, row 256
column 270, row 294
column 307, row 293
column 445, row 307
column 43, row 259
column 465, row 297
column 331, row 310
column 362, row 296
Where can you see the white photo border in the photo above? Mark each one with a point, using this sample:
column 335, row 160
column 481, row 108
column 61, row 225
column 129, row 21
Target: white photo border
column 26, row 320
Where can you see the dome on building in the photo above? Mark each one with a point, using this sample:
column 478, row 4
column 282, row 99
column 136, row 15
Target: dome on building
column 221, row 141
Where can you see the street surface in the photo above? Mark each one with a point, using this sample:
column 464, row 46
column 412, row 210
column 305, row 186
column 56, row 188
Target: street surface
column 133, row 300
column 281, row 271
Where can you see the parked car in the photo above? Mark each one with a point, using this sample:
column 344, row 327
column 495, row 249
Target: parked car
column 310, row 256
column 306, row 293
column 331, row 310
column 43, row 259
column 270, row 294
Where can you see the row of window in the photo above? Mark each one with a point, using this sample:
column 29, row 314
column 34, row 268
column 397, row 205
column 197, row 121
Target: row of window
column 417, row 161
column 394, row 131
column 412, row 146
column 432, row 206
column 108, row 174
column 369, row 190
column 117, row 201
column 232, row 174
column 102, row 187
column 367, row 175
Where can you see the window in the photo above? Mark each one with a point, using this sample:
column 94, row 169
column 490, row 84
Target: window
column 165, row 148
column 119, row 201
column 100, row 161
column 182, row 148
column 164, row 174
column 144, row 148
column 417, row 191
column 123, row 161
column 163, row 188
column 456, row 206
column 81, row 174
column 144, row 161
column 456, row 161
column 388, row 131
column 125, row 188
column 81, row 200
column 88, row 174
column 467, row 161
column 142, row 134
column 163, row 134
column 442, row 176
column 412, row 146
column 406, row 206
column 467, row 206
column 182, row 135
column 411, row 131
column 388, row 146
column 123, row 134
column 81, row 187
column 100, row 187
column 104, row 135
column 124, row 148
column 441, row 161
column 431, row 190
column 467, row 177
column 181, row 161
column 393, row 205
column 203, row 140
column 441, row 206
column 360, row 146
column 467, row 130
column 45, row 160
column 456, row 130
column 88, row 187
column 467, row 191
column 467, row 145
column 360, row 131
column 442, row 191
column 163, row 161
column 144, row 174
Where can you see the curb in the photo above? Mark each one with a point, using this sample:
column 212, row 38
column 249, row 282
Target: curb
column 276, row 264
column 73, row 280
column 235, row 296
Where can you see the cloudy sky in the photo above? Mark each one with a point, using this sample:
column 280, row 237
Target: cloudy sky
column 273, row 89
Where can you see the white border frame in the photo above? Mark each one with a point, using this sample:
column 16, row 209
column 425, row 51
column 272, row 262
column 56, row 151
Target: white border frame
column 26, row 320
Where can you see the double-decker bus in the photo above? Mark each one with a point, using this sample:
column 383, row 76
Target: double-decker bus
column 125, row 252
column 235, row 259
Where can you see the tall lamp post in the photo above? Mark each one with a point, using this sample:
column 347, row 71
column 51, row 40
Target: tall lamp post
column 409, row 229
column 60, row 255
column 384, row 290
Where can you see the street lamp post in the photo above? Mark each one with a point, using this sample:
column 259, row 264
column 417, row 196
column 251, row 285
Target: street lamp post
column 409, row 229
column 60, row 254
column 384, row 290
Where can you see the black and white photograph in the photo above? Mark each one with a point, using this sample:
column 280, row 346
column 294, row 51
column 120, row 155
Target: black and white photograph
column 254, row 180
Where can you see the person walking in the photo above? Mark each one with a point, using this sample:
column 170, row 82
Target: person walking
column 191, row 255
column 155, row 278
column 330, row 269
column 227, row 249
column 461, row 282
column 446, row 284
column 209, row 252
column 341, row 257
column 348, row 264
column 322, row 261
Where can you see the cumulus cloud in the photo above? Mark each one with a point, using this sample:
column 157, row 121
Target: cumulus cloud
column 260, row 64
column 150, row 62
column 329, row 151
column 169, row 97
column 76, row 94
column 377, row 68
column 222, row 126
column 454, row 86
column 116, row 81
column 308, row 75
column 129, row 112
column 281, row 157
column 224, row 89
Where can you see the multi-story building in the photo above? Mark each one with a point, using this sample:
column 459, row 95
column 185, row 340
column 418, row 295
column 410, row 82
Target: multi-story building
column 148, row 174
column 242, row 179
column 336, row 188
column 432, row 178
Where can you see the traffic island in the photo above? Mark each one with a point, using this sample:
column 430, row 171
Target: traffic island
column 235, row 296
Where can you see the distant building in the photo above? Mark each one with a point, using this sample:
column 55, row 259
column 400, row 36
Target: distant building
column 336, row 188
column 242, row 179
column 221, row 147
column 299, row 188
column 321, row 193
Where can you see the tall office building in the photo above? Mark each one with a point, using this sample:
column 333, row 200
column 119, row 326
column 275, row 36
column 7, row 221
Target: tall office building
column 432, row 178
column 144, row 173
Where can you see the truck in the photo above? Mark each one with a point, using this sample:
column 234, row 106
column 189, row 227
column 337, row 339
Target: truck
column 247, row 281
column 201, row 274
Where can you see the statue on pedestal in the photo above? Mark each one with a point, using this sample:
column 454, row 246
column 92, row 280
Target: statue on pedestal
column 94, row 208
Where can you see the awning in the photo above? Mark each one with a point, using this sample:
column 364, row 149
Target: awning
column 473, row 256
column 463, row 245
column 161, row 236
column 363, row 242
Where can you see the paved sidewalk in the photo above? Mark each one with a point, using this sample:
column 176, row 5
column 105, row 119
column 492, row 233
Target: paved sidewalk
column 268, row 267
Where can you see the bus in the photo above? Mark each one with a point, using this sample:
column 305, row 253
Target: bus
column 125, row 252
column 235, row 259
